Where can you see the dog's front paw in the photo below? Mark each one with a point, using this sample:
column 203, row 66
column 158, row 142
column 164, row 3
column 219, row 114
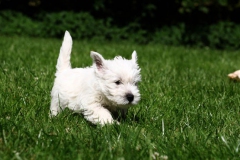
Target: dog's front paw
column 103, row 118
column 106, row 120
column 99, row 116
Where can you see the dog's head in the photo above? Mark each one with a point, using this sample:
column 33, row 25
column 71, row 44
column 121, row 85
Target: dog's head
column 118, row 79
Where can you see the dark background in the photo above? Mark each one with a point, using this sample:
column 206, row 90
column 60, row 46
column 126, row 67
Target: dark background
column 213, row 23
column 149, row 13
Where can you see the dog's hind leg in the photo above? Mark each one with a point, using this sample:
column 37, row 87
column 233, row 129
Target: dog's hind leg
column 55, row 107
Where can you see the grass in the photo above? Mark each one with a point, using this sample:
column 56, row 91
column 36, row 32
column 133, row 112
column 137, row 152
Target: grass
column 189, row 109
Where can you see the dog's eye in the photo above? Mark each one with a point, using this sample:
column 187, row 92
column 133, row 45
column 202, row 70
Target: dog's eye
column 135, row 83
column 118, row 82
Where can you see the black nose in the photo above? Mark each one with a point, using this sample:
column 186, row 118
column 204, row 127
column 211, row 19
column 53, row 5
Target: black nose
column 130, row 97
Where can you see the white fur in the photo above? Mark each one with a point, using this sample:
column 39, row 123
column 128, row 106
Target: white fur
column 106, row 87
column 235, row 75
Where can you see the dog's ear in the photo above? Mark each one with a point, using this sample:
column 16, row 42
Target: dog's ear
column 134, row 56
column 98, row 60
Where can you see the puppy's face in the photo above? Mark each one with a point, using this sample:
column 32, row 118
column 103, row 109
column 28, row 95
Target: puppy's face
column 118, row 79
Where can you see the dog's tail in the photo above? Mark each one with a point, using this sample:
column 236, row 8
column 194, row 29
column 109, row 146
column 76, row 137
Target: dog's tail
column 63, row 61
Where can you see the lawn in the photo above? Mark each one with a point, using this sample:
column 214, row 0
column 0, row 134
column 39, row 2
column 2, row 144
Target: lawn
column 189, row 109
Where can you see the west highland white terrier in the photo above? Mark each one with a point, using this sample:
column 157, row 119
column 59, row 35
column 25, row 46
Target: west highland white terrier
column 105, row 88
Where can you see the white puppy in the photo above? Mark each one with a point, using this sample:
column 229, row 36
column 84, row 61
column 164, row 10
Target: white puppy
column 105, row 88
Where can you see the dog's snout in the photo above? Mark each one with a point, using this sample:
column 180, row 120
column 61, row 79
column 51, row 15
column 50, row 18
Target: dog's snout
column 130, row 97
